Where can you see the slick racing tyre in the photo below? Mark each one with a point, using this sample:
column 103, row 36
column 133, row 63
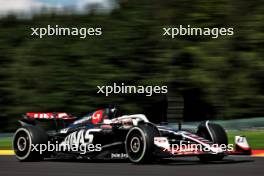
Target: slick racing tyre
column 217, row 135
column 23, row 140
column 139, row 143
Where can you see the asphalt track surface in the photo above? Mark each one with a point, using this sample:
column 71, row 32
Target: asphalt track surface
column 234, row 166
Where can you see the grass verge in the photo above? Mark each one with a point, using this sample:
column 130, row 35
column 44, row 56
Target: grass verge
column 6, row 143
column 255, row 138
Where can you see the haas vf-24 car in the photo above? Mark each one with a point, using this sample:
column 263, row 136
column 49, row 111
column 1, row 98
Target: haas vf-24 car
column 111, row 136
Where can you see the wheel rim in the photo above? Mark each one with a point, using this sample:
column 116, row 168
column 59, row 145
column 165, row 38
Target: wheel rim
column 21, row 143
column 135, row 144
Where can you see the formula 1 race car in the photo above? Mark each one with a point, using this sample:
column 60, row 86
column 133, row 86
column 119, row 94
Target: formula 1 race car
column 104, row 134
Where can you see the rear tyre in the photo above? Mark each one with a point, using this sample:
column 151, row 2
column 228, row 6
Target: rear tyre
column 139, row 143
column 23, row 140
column 217, row 135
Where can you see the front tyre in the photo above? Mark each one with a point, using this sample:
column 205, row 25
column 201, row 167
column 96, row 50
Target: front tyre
column 24, row 139
column 139, row 143
column 217, row 135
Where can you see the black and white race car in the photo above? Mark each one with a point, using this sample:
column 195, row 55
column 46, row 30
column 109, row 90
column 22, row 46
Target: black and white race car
column 105, row 135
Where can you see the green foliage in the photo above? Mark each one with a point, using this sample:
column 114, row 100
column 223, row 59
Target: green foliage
column 61, row 73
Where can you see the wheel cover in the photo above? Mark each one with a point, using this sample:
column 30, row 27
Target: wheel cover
column 135, row 144
column 22, row 143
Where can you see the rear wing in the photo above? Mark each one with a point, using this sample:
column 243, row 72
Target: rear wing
column 49, row 115
column 47, row 120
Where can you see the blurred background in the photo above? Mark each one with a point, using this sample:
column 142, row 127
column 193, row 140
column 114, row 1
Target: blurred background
column 217, row 79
